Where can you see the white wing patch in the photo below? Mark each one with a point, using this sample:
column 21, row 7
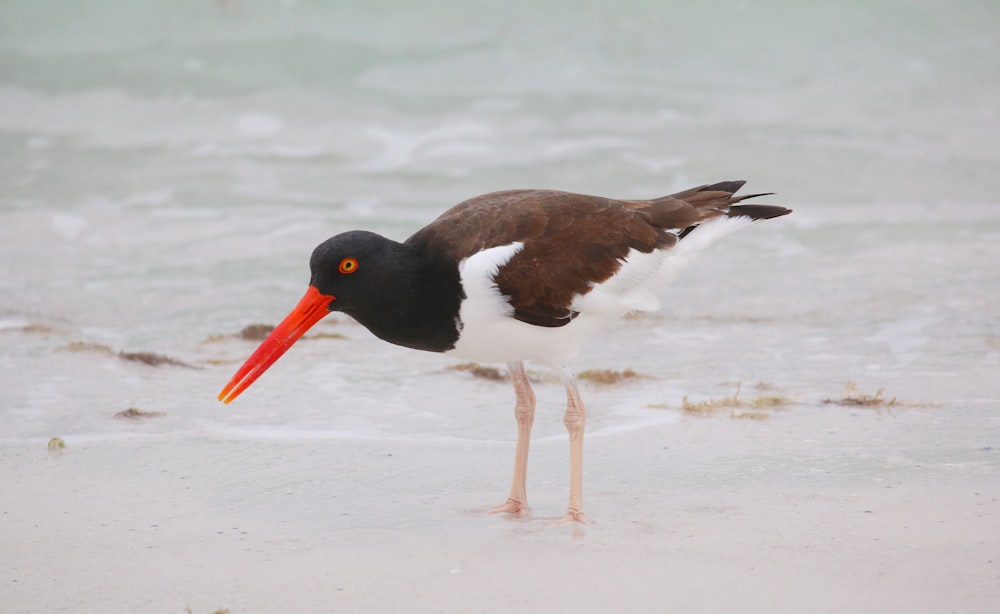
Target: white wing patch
column 478, row 273
column 490, row 333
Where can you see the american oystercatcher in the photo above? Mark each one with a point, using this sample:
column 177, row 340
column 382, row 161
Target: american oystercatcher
column 508, row 277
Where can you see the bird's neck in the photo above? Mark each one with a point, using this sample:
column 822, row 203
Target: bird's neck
column 418, row 307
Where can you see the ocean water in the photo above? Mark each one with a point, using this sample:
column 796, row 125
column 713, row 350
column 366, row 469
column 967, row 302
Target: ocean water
column 166, row 169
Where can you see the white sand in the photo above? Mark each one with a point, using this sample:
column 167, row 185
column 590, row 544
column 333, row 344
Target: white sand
column 820, row 508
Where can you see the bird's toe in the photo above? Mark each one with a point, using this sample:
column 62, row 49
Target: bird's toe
column 574, row 516
column 512, row 507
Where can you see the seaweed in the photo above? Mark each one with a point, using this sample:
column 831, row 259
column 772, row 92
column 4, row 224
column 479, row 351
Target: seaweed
column 255, row 332
column 755, row 408
column 154, row 360
column 86, row 346
column 259, row 332
column 480, row 371
column 710, row 406
column 853, row 397
column 148, row 358
column 134, row 413
column 609, row 376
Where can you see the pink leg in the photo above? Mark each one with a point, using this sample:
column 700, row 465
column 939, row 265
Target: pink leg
column 524, row 412
column 575, row 420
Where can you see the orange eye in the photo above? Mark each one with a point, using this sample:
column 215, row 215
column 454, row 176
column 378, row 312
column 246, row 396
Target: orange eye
column 348, row 265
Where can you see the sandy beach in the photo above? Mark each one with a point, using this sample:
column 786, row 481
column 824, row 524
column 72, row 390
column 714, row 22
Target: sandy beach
column 817, row 507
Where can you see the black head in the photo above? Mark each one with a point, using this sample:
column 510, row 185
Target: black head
column 351, row 273
column 356, row 268
column 400, row 294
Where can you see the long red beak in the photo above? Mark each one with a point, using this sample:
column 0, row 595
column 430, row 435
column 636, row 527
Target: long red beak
column 310, row 310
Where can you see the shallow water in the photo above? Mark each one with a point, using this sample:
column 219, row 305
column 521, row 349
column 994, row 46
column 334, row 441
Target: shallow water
column 166, row 173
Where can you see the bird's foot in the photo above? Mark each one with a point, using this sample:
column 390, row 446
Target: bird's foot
column 511, row 506
column 573, row 515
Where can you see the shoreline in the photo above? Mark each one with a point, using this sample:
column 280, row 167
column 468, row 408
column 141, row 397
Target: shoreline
column 811, row 510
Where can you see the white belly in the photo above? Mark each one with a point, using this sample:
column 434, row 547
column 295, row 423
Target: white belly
column 489, row 332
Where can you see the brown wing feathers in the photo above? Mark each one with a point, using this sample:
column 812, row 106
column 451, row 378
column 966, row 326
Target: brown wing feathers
column 586, row 246
column 573, row 241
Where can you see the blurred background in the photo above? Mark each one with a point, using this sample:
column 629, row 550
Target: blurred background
column 167, row 167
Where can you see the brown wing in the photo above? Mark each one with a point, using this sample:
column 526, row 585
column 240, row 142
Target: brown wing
column 571, row 241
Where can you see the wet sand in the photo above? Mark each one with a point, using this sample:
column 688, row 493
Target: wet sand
column 818, row 508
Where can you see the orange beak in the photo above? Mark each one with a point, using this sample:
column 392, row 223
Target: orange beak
column 311, row 309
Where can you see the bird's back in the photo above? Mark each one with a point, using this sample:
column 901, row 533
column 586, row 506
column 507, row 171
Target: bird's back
column 571, row 243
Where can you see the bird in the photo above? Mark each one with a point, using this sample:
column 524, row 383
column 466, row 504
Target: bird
column 515, row 276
